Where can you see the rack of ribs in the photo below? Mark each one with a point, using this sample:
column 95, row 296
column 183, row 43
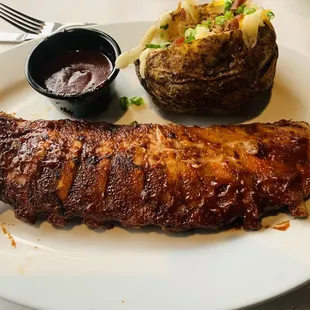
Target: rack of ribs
column 171, row 176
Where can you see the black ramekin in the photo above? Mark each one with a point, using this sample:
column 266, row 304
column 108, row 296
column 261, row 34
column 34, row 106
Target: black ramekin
column 91, row 101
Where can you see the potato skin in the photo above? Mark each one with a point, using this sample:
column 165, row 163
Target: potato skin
column 217, row 75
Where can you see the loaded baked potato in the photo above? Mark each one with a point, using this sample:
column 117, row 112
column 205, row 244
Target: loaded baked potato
column 214, row 57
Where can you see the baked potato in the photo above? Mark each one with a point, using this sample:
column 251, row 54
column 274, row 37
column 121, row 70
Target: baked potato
column 211, row 58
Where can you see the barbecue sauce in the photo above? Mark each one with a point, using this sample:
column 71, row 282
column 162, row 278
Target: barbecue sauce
column 76, row 72
column 282, row 226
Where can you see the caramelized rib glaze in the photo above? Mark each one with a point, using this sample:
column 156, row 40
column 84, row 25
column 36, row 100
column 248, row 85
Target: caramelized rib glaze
column 171, row 176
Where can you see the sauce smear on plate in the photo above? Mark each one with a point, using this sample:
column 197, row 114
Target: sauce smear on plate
column 282, row 226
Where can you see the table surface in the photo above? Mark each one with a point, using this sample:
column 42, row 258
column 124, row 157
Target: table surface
column 292, row 23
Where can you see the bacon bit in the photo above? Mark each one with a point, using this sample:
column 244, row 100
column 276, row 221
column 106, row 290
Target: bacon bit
column 240, row 17
column 179, row 14
column 4, row 229
column 10, row 237
column 233, row 24
column 183, row 14
column 282, row 226
column 179, row 41
column 236, row 4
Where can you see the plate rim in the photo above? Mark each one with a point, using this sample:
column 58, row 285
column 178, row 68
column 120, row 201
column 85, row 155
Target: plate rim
column 101, row 27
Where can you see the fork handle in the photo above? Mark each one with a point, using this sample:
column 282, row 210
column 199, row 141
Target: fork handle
column 11, row 37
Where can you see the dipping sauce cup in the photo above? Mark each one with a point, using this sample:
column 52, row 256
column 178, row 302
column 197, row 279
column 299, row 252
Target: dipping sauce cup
column 76, row 70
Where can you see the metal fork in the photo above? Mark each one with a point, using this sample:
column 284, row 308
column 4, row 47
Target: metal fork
column 32, row 25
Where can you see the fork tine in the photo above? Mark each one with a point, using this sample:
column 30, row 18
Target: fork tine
column 20, row 18
column 14, row 12
column 18, row 24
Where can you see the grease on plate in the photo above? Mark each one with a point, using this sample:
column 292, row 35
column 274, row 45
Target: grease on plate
column 10, row 237
column 282, row 226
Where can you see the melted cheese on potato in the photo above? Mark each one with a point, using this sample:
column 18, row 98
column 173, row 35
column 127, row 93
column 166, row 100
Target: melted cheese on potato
column 156, row 35
column 188, row 6
column 127, row 58
column 250, row 26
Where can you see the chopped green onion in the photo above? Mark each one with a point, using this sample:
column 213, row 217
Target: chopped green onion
column 229, row 15
column 152, row 46
column 134, row 123
column 240, row 9
column 248, row 11
column 165, row 27
column 124, row 102
column 189, row 39
column 207, row 23
column 227, row 5
column 270, row 15
column 220, row 20
column 190, row 35
column 136, row 100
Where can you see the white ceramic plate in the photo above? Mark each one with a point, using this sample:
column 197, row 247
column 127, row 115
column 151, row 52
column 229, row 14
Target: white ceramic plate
column 76, row 268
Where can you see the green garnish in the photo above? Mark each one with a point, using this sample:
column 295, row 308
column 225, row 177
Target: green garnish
column 136, row 100
column 229, row 15
column 207, row 23
column 190, row 35
column 248, row 11
column 220, row 20
column 240, row 9
column 152, row 45
column 165, row 27
column 227, row 5
column 125, row 102
column 189, row 39
column 134, row 123
column 270, row 15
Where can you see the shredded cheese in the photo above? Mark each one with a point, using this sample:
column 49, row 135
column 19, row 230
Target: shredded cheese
column 250, row 26
column 202, row 32
column 188, row 6
column 142, row 59
column 158, row 36
column 127, row 58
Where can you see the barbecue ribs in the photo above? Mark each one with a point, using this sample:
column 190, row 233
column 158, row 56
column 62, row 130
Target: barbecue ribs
column 171, row 176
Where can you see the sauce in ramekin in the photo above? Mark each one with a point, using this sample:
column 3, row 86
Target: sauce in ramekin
column 76, row 72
